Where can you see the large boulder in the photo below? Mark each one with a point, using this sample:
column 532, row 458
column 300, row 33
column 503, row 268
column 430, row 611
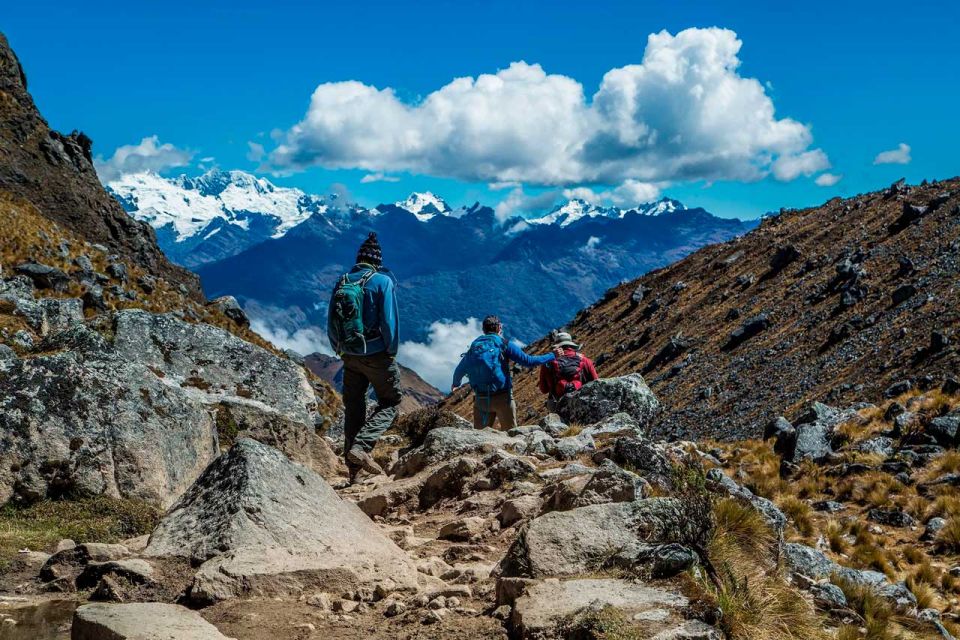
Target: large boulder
column 551, row 609
column 140, row 621
column 814, row 433
column 263, row 525
column 214, row 361
column 446, row 443
column 565, row 543
column 77, row 424
column 607, row 396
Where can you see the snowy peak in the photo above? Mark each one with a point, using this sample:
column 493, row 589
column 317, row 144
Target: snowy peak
column 577, row 209
column 424, row 205
column 187, row 205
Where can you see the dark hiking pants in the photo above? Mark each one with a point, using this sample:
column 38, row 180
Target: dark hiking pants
column 360, row 372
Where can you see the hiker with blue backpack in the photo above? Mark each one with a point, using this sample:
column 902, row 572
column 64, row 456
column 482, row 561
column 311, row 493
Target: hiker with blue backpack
column 362, row 323
column 487, row 366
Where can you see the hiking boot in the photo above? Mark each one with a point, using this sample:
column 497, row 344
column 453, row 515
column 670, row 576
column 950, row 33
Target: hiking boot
column 360, row 457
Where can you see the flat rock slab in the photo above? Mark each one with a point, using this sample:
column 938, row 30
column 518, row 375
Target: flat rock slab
column 546, row 606
column 566, row 543
column 264, row 526
column 141, row 621
column 446, row 443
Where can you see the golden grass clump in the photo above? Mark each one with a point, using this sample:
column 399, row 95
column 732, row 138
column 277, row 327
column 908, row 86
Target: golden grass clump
column 755, row 600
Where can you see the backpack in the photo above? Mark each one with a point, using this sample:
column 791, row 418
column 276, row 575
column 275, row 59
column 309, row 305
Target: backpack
column 485, row 360
column 347, row 307
column 568, row 374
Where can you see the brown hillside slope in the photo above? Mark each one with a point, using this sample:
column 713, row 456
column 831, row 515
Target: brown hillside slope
column 55, row 173
column 825, row 277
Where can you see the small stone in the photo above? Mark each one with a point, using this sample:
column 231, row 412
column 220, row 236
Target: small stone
column 345, row 606
column 322, row 601
column 306, row 626
column 434, row 616
column 453, row 602
column 437, row 603
column 394, row 608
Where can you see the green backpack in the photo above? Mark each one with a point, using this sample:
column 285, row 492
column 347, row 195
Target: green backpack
column 347, row 305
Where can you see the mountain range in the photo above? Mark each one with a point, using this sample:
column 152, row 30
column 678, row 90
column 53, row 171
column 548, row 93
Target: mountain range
column 279, row 250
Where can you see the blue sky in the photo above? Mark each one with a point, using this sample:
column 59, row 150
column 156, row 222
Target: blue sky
column 209, row 78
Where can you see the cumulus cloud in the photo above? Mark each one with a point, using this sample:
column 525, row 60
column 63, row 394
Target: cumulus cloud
column 379, row 176
column 304, row 341
column 590, row 248
column 791, row 167
column 520, row 203
column 436, row 358
column 900, row 155
column 633, row 192
column 683, row 113
column 148, row 155
column 255, row 152
column 828, row 179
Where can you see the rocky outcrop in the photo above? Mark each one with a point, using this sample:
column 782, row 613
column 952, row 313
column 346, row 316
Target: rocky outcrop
column 85, row 424
column 447, row 443
column 141, row 621
column 607, row 396
column 142, row 415
column 263, row 525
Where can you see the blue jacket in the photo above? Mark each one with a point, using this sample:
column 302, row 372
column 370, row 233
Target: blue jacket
column 380, row 317
column 512, row 353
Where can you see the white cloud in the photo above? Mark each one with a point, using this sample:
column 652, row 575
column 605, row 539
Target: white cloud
column 379, row 176
column 900, row 155
column 632, row 193
column 683, row 113
column 582, row 193
column 519, row 203
column 304, row 341
column 828, row 179
column 436, row 359
column 792, row 166
column 590, row 248
column 255, row 152
column 148, row 155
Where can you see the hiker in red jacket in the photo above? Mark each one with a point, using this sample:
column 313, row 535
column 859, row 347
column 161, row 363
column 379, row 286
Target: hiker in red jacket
column 567, row 373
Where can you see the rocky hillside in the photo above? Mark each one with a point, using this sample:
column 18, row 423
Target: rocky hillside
column 835, row 303
column 54, row 173
column 417, row 392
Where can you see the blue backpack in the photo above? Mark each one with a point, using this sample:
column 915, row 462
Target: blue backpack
column 485, row 360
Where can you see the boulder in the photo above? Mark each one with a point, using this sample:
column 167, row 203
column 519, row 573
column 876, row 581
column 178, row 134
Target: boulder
column 229, row 307
column 611, row 484
column 646, row 458
column 607, row 396
column 617, row 423
column 564, row 543
column 263, row 525
column 945, row 428
column 517, row 509
column 570, row 447
column 549, row 609
column 892, row 517
column 751, row 327
column 214, row 361
column 808, row 561
column 44, row 276
column 448, row 481
column 243, row 418
column 141, row 621
column 553, row 424
column 84, row 424
column 446, row 443
column 814, row 432
column 463, row 529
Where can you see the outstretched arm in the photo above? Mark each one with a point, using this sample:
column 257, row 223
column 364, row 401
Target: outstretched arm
column 516, row 354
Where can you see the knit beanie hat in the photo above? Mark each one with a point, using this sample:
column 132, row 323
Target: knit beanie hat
column 369, row 251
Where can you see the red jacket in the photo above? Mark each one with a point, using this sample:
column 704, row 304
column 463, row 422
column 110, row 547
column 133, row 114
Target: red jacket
column 548, row 380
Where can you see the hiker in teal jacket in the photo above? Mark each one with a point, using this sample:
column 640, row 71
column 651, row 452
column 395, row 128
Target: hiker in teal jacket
column 371, row 361
column 490, row 378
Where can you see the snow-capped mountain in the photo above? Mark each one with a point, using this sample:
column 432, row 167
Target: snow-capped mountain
column 577, row 209
column 425, row 206
column 214, row 215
